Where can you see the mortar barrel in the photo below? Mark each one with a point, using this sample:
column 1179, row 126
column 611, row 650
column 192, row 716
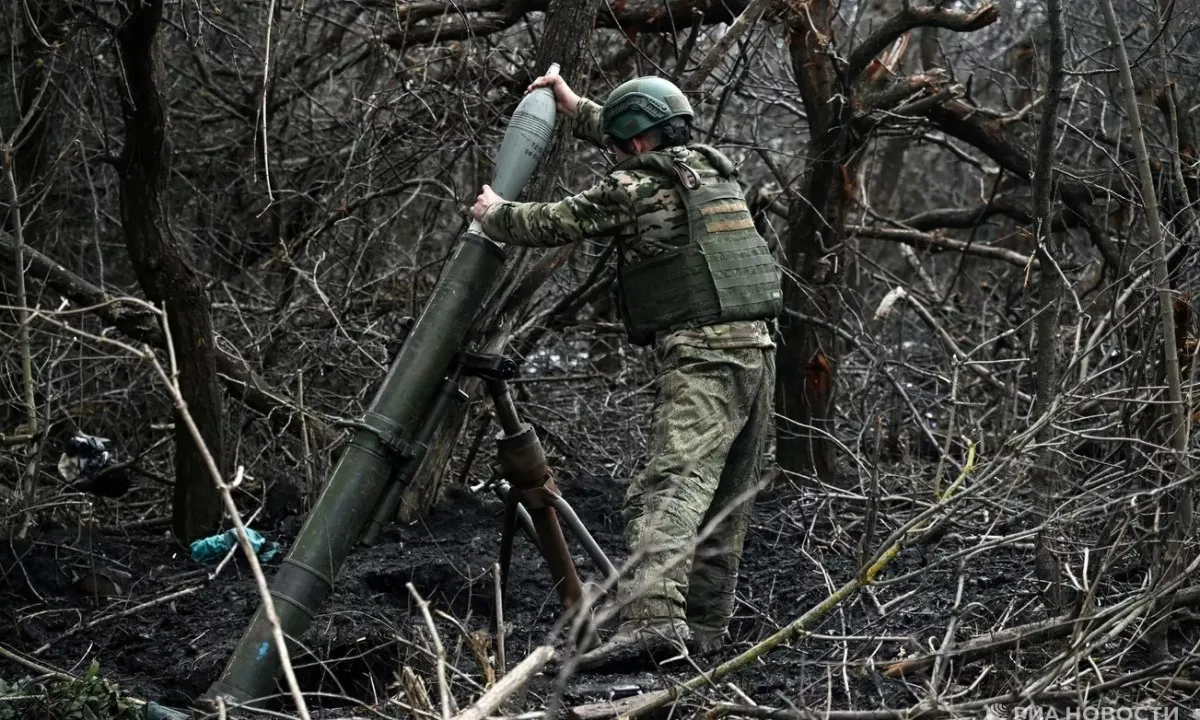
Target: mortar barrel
column 336, row 522
column 448, row 393
column 384, row 437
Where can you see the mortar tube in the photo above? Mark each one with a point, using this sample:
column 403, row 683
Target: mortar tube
column 357, row 483
column 448, row 393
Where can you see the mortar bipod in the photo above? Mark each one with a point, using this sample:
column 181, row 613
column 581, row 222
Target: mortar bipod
column 505, row 492
column 524, row 481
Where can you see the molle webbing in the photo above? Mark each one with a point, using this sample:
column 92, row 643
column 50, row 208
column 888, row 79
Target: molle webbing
column 723, row 274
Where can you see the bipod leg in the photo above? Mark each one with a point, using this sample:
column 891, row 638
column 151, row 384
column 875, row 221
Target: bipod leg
column 520, row 453
column 506, row 542
column 589, row 543
column 504, row 492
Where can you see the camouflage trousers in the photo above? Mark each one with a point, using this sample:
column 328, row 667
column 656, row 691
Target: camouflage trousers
column 710, row 420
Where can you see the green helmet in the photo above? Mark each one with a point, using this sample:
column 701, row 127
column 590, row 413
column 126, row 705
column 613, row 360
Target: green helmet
column 639, row 104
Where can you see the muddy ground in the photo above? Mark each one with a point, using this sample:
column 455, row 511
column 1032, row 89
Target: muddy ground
column 803, row 545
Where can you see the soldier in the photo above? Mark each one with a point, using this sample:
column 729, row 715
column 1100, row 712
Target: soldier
column 696, row 280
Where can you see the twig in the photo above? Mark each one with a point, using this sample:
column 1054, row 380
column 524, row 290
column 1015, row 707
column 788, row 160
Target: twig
column 1157, row 242
column 501, row 666
column 959, row 355
column 414, row 690
column 948, row 637
column 142, row 326
column 263, row 106
column 436, row 639
column 754, row 10
column 477, row 644
column 308, row 473
column 6, row 154
column 927, row 240
column 767, row 713
column 124, row 613
column 229, row 554
column 511, row 683
column 689, row 45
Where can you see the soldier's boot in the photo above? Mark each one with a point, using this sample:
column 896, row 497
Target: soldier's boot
column 706, row 641
column 638, row 642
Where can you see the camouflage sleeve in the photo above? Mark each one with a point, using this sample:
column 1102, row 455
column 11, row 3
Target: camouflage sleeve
column 605, row 209
column 587, row 122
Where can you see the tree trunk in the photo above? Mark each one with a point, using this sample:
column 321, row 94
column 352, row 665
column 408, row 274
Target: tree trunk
column 1047, row 480
column 164, row 273
column 569, row 26
column 1171, row 551
column 807, row 354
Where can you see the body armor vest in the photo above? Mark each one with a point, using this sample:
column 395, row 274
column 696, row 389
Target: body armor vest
column 722, row 272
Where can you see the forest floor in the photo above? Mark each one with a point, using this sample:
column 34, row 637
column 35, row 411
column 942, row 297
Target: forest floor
column 803, row 544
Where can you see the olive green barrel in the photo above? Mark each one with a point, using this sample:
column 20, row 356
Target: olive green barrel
column 357, row 485
column 387, row 433
column 448, row 395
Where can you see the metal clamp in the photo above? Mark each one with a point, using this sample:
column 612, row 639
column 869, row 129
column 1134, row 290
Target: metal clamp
column 389, row 434
column 488, row 366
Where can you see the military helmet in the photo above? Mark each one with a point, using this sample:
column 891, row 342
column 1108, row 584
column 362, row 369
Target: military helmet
column 639, row 104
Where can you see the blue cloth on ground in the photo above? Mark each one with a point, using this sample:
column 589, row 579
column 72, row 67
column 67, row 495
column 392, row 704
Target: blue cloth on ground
column 215, row 546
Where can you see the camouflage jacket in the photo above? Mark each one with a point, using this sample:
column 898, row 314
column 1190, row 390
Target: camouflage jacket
column 611, row 209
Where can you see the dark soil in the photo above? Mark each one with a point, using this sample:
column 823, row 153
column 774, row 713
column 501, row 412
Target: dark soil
column 802, row 547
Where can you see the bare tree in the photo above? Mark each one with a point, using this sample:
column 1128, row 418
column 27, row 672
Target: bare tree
column 1051, row 548
column 163, row 270
column 835, row 101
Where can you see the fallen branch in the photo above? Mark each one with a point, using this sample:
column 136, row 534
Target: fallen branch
column 768, row 713
column 511, row 683
column 1021, row 635
column 990, row 644
column 36, row 667
column 124, row 613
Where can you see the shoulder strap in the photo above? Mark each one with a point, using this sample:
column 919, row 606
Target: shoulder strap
column 723, row 164
column 665, row 164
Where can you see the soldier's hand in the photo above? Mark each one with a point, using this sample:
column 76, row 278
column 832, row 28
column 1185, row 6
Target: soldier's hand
column 484, row 201
column 566, row 99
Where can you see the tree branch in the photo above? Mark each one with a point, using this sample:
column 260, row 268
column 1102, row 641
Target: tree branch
column 914, row 17
column 966, row 123
column 928, row 240
column 641, row 15
column 740, row 27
